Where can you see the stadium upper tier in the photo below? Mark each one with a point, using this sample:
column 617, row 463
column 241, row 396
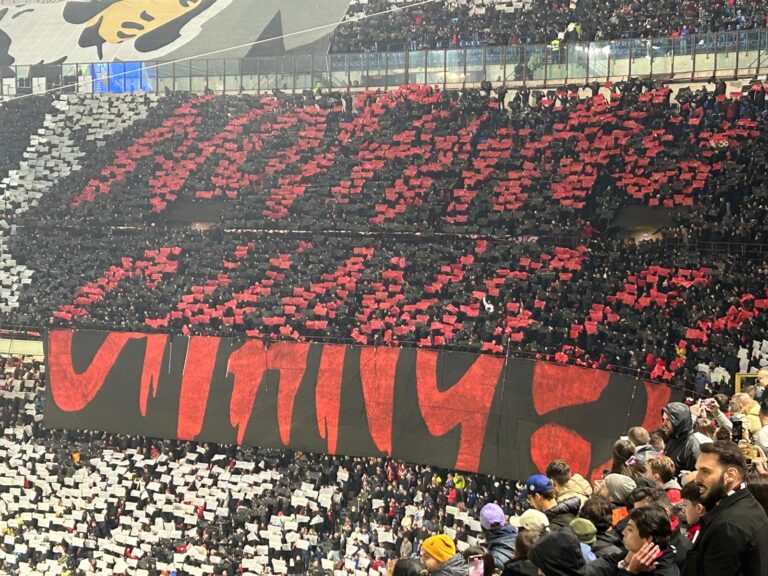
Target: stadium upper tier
column 414, row 217
column 452, row 23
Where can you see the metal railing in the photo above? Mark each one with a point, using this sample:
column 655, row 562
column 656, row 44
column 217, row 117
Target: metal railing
column 752, row 251
column 731, row 54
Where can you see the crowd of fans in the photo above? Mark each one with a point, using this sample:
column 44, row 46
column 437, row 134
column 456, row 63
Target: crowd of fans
column 411, row 217
column 467, row 23
column 688, row 496
column 472, row 220
column 18, row 120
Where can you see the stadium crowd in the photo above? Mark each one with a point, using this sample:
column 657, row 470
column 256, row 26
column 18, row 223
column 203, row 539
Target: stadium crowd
column 687, row 496
column 341, row 198
column 463, row 23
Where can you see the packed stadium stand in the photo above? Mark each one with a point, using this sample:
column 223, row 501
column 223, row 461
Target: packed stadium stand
column 455, row 23
column 323, row 209
column 332, row 332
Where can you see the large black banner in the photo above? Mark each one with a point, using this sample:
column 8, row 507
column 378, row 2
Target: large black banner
column 473, row 412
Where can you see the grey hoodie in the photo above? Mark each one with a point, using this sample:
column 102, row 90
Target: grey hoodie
column 682, row 447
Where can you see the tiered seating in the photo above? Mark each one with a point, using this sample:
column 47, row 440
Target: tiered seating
column 74, row 127
column 503, row 22
column 19, row 119
column 410, row 220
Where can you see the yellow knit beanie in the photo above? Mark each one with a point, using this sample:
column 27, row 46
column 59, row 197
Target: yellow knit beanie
column 440, row 547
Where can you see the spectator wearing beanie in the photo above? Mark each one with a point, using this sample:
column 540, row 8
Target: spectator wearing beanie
column 540, row 493
column 617, row 487
column 585, row 531
column 438, row 553
column 499, row 535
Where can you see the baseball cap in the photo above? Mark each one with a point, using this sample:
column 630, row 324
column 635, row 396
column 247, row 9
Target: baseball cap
column 492, row 517
column 529, row 520
column 537, row 484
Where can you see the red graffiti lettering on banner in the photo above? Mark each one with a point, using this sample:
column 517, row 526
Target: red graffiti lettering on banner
column 556, row 386
column 150, row 374
column 554, row 442
column 328, row 393
column 195, row 385
column 467, row 403
column 71, row 391
column 377, row 374
column 248, row 365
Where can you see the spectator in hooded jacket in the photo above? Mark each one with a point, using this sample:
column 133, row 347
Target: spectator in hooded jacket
column 499, row 535
column 558, row 554
column 567, row 485
column 681, row 445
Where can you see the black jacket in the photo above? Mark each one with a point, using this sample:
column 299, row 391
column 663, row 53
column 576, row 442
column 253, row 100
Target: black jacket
column 682, row 546
column 606, row 545
column 609, row 565
column 683, row 447
column 559, row 554
column 501, row 544
column 562, row 514
column 520, row 567
column 733, row 540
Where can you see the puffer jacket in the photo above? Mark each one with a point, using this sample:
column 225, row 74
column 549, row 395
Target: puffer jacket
column 577, row 486
column 454, row 566
column 501, row 545
column 683, row 447
column 563, row 512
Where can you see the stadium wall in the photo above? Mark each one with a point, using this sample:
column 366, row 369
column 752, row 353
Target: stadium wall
column 472, row 412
